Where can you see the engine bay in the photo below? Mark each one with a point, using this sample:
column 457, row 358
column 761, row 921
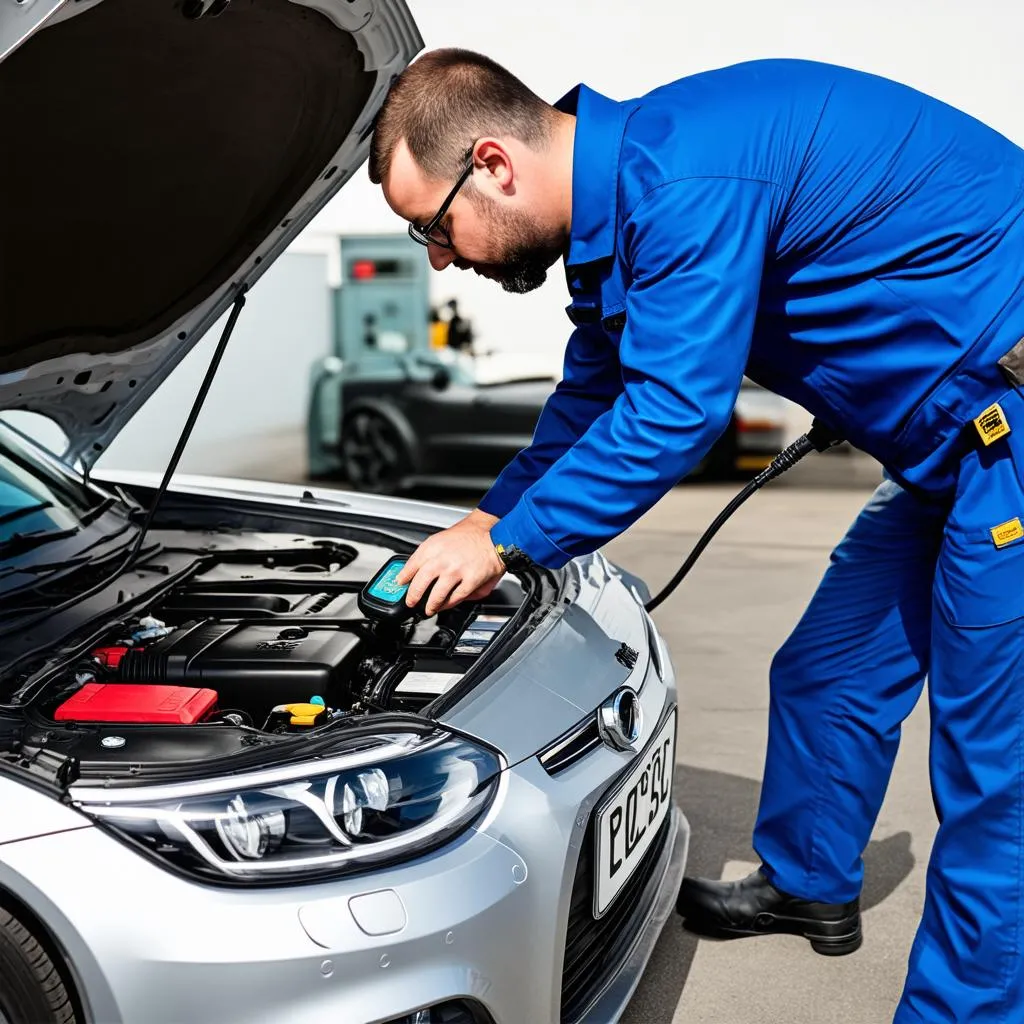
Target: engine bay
column 264, row 640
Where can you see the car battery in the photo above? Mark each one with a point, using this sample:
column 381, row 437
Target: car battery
column 137, row 703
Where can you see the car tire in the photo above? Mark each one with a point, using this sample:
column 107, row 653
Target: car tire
column 32, row 990
column 374, row 455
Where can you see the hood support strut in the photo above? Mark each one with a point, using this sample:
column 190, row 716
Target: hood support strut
column 186, row 431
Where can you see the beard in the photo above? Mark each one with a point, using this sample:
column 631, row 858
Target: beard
column 523, row 252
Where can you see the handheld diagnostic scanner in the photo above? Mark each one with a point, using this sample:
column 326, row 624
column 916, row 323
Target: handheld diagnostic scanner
column 383, row 598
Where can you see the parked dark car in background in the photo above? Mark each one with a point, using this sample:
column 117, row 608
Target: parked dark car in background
column 426, row 418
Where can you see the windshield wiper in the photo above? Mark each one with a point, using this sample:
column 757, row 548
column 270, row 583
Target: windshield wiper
column 43, row 568
column 25, row 541
column 96, row 511
column 25, row 510
column 18, row 543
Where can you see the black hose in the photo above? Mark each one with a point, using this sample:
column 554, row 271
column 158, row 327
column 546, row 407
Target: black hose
column 819, row 438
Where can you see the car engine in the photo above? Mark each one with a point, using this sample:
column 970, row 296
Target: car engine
column 266, row 640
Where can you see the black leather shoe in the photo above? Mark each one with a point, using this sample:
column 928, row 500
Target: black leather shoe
column 753, row 906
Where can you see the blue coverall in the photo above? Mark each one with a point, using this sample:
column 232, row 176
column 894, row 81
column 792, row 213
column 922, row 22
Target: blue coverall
column 857, row 247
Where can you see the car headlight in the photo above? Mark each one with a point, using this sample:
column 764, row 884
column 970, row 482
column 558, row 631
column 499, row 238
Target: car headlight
column 396, row 797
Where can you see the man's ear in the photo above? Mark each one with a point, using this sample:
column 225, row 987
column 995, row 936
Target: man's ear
column 495, row 160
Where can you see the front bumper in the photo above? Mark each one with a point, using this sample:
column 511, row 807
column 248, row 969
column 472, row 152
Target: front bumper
column 146, row 945
column 483, row 919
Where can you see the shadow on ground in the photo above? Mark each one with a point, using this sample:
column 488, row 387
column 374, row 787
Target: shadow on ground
column 721, row 809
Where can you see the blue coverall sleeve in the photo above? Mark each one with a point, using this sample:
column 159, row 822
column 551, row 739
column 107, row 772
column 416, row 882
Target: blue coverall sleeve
column 696, row 250
column 591, row 380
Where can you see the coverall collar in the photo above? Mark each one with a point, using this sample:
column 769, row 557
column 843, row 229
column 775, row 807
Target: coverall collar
column 600, row 123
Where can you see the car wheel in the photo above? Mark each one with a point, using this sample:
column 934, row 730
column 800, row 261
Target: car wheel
column 31, row 988
column 374, row 454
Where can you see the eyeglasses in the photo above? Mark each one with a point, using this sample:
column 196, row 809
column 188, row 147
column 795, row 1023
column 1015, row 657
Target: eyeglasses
column 433, row 233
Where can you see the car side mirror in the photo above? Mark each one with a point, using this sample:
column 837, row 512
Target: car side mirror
column 442, row 378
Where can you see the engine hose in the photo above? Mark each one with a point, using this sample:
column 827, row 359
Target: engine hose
column 818, row 439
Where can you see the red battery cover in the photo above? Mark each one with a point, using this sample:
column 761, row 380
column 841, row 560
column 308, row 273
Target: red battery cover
column 134, row 702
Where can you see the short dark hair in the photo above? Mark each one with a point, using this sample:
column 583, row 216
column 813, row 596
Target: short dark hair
column 446, row 100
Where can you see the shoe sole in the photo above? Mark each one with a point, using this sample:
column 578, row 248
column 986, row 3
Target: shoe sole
column 835, row 938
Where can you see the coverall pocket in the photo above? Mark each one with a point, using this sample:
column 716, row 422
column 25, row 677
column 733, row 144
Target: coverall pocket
column 979, row 579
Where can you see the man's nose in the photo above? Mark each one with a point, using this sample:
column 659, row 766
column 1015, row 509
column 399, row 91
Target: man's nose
column 439, row 256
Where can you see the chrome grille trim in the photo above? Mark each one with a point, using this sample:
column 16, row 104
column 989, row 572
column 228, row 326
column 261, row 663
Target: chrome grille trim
column 571, row 747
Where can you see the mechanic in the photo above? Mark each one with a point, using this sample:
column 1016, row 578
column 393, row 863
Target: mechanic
column 857, row 247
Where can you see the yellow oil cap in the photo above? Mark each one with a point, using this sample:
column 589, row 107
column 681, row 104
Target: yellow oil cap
column 303, row 714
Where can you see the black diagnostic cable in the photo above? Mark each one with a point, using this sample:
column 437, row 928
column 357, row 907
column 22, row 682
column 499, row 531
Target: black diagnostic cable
column 818, row 439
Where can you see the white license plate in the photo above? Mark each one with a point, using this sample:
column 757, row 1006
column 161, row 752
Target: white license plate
column 630, row 818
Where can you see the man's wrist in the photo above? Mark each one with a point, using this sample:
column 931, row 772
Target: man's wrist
column 481, row 518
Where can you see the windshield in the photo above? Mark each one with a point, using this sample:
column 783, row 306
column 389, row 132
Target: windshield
column 40, row 502
column 34, row 494
column 29, row 504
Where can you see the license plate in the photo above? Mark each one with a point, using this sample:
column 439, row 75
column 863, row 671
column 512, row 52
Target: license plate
column 630, row 818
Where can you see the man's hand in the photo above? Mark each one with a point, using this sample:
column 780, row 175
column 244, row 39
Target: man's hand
column 461, row 560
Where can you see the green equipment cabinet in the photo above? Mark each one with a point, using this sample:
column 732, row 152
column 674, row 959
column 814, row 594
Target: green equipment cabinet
column 381, row 313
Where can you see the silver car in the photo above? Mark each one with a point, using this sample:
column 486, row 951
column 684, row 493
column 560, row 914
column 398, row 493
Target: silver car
column 230, row 791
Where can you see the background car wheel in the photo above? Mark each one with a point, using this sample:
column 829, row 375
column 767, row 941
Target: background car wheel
column 31, row 988
column 374, row 454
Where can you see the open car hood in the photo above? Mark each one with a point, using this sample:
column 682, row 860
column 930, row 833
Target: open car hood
column 160, row 155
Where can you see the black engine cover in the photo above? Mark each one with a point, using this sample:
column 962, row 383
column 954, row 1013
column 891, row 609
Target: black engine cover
column 251, row 667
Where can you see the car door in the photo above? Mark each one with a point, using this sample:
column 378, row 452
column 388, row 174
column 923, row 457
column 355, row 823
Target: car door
column 472, row 430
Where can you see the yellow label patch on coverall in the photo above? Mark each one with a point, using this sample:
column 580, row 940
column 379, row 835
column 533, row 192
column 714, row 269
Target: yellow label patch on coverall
column 991, row 424
column 1006, row 532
